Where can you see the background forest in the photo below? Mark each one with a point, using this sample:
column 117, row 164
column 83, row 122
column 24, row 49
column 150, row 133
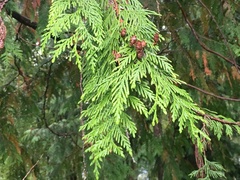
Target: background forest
column 120, row 89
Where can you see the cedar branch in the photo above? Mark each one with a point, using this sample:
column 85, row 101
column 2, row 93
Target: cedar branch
column 207, row 116
column 203, row 45
column 211, row 94
column 221, row 33
column 22, row 19
column 30, row 170
column 48, row 76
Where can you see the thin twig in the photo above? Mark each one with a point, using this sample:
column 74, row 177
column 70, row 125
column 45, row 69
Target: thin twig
column 26, row 79
column 17, row 31
column 84, row 171
column 218, row 119
column 44, row 106
column 219, row 29
column 22, row 19
column 9, row 82
column 211, row 94
column 203, row 45
column 30, row 170
column 165, row 49
column 158, row 5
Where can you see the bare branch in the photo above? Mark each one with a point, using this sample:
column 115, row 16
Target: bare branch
column 203, row 45
column 218, row 119
column 219, row 29
column 22, row 19
column 84, row 171
column 44, row 105
column 30, row 170
column 211, row 94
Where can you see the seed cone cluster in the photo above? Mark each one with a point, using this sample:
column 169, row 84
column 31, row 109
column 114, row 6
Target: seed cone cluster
column 138, row 45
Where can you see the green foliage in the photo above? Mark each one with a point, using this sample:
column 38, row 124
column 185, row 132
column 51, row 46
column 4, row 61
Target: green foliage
column 136, row 116
column 70, row 16
column 218, row 128
column 108, row 90
column 213, row 170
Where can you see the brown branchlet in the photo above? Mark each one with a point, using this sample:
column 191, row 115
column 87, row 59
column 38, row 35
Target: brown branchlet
column 116, row 55
column 156, row 38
